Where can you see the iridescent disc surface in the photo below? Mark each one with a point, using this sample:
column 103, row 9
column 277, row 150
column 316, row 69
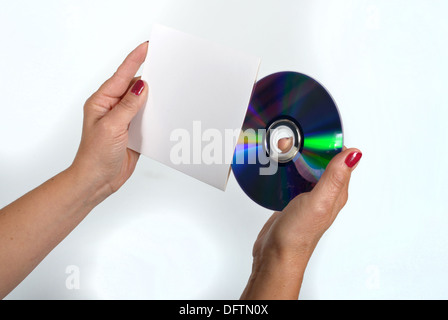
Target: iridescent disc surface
column 296, row 98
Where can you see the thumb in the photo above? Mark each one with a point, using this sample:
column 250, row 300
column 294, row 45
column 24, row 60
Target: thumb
column 130, row 104
column 331, row 191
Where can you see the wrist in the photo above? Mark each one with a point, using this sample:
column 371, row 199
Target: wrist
column 88, row 185
column 274, row 278
column 277, row 272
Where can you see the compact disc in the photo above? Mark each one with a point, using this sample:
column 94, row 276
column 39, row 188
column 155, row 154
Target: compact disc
column 291, row 132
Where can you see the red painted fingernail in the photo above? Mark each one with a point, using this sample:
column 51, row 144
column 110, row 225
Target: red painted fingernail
column 138, row 87
column 353, row 159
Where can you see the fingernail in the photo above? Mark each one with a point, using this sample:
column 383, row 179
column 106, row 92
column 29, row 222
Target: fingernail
column 138, row 87
column 353, row 159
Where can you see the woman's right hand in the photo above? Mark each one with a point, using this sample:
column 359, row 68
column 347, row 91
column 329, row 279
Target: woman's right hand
column 287, row 240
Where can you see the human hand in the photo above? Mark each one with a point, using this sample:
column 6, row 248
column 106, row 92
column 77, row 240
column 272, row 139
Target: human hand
column 103, row 158
column 34, row 224
column 287, row 240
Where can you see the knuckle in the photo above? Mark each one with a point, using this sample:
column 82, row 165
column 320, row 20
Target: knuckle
column 321, row 217
column 93, row 99
column 300, row 198
column 343, row 198
column 297, row 201
column 127, row 104
column 93, row 104
column 321, row 209
column 337, row 180
column 345, row 195
column 88, row 104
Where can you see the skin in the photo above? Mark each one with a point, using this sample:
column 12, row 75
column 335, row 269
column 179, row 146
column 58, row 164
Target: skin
column 34, row 224
column 284, row 144
column 287, row 240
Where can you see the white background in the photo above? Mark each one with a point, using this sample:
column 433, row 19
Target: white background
column 166, row 235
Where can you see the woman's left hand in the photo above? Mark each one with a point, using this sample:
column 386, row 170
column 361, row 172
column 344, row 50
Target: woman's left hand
column 103, row 158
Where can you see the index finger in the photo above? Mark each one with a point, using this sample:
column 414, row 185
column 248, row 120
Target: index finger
column 117, row 85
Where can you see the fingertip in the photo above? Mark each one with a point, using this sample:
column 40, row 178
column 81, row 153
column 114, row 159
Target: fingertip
column 139, row 53
column 352, row 158
column 348, row 157
column 118, row 84
column 138, row 87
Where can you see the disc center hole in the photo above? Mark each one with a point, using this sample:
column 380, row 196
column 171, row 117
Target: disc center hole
column 283, row 140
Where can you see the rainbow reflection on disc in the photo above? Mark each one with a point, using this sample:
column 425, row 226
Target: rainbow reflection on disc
column 294, row 105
